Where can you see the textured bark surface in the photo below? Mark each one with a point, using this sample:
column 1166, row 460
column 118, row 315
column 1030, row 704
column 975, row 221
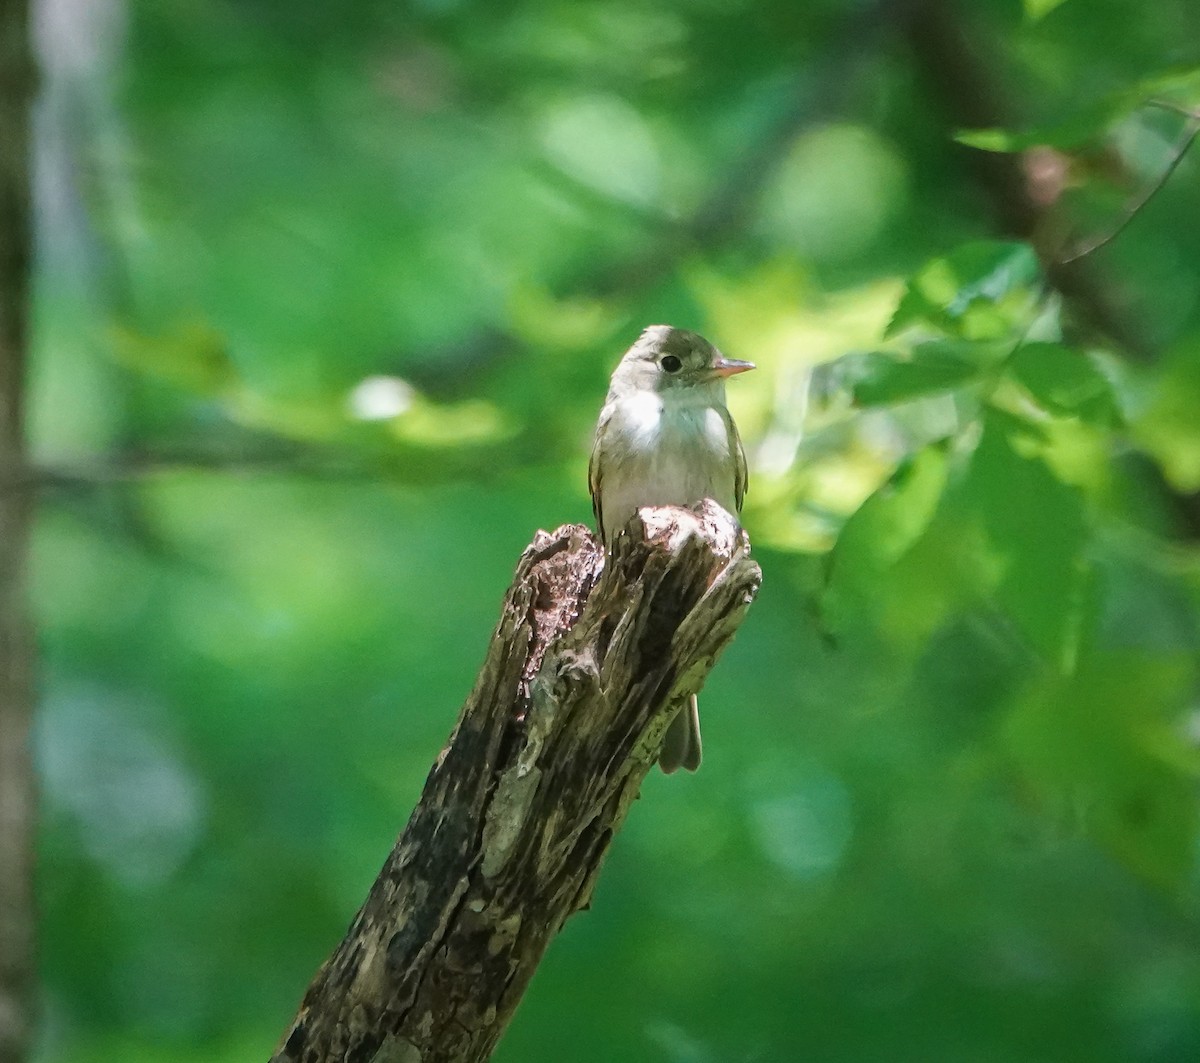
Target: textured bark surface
column 586, row 665
column 16, row 652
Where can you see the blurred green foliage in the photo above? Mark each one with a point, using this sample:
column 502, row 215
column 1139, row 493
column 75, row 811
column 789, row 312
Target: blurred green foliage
column 327, row 300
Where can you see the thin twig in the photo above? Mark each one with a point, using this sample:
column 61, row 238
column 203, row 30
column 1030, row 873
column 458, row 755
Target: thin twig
column 1190, row 131
column 1174, row 108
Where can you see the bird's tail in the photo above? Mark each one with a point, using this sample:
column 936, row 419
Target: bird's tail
column 681, row 747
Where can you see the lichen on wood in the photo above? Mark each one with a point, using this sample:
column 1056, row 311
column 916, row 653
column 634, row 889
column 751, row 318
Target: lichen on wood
column 590, row 658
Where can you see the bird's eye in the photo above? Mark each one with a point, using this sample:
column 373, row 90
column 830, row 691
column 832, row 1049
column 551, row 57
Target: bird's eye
column 671, row 364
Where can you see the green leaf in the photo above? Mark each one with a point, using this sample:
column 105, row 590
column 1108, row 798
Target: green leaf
column 975, row 277
column 1036, row 533
column 1180, row 85
column 1036, row 10
column 192, row 356
column 933, row 367
column 893, row 517
column 1166, row 424
column 1104, row 748
column 1065, row 382
column 874, row 541
column 997, row 140
column 1085, row 126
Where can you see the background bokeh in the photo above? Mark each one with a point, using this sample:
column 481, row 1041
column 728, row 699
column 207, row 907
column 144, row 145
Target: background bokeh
column 326, row 302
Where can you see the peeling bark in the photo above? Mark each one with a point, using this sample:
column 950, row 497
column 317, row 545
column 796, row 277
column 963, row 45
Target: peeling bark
column 587, row 664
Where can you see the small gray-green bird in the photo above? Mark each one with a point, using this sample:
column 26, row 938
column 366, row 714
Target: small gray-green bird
column 665, row 438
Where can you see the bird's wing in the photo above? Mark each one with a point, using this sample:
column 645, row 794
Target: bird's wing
column 738, row 453
column 594, row 481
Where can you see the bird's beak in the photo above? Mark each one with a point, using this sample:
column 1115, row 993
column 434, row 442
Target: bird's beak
column 730, row 366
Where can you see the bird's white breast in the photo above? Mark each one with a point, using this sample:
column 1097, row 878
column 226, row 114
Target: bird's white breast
column 654, row 455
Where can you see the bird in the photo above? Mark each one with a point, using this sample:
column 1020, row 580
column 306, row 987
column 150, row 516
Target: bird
column 665, row 438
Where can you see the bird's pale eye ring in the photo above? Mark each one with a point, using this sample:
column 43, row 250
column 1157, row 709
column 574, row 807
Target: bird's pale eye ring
column 671, row 364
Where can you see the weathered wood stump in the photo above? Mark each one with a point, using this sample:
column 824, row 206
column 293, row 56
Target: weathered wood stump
column 588, row 662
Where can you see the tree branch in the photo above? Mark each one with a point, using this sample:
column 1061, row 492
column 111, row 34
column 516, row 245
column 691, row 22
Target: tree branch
column 16, row 638
column 586, row 665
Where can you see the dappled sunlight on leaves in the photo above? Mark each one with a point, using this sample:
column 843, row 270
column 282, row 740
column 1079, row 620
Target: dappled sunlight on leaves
column 1166, row 423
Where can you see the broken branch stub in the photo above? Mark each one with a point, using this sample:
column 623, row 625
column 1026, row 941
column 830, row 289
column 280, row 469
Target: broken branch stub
column 585, row 668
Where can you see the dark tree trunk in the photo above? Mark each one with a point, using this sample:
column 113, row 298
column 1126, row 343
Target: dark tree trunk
column 589, row 660
column 16, row 693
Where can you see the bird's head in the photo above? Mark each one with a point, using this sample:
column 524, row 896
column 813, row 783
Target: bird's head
column 671, row 361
